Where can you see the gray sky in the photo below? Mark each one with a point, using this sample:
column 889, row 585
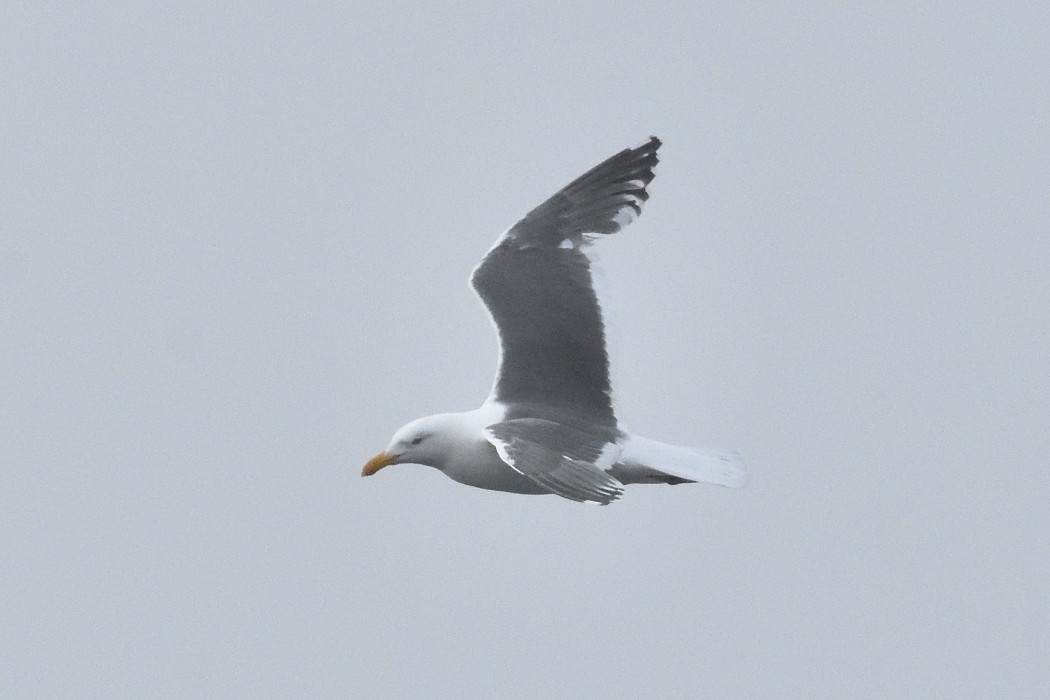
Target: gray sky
column 234, row 244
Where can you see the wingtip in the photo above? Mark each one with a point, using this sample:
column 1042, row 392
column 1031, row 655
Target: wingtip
column 650, row 146
column 607, row 498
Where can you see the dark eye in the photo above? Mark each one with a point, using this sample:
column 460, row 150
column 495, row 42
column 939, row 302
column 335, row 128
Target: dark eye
column 417, row 440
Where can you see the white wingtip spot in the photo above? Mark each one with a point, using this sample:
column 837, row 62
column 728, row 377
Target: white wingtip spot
column 625, row 216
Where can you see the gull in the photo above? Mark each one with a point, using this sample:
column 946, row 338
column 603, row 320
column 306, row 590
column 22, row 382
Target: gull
column 548, row 425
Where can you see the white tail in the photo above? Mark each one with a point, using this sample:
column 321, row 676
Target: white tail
column 709, row 465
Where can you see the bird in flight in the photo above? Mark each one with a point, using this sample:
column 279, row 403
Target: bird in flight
column 548, row 425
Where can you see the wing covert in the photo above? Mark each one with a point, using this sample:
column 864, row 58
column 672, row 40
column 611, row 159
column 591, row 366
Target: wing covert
column 569, row 462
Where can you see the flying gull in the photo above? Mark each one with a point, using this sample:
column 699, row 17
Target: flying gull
column 548, row 425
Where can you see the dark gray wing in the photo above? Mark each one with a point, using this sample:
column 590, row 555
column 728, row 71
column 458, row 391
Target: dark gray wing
column 565, row 460
column 536, row 283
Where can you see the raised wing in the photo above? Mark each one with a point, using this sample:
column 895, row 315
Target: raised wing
column 536, row 283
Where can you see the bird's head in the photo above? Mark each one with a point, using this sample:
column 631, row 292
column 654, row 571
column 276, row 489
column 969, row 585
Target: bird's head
column 428, row 441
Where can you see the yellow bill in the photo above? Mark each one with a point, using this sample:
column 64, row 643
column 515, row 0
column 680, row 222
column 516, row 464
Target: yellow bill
column 376, row 463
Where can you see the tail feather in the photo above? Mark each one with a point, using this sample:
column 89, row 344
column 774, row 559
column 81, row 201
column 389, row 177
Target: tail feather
column 708, row 465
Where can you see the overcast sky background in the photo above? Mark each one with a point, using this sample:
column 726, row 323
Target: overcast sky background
column 234, row 245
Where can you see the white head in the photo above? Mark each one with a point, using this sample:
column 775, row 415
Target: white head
column 431, row 441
